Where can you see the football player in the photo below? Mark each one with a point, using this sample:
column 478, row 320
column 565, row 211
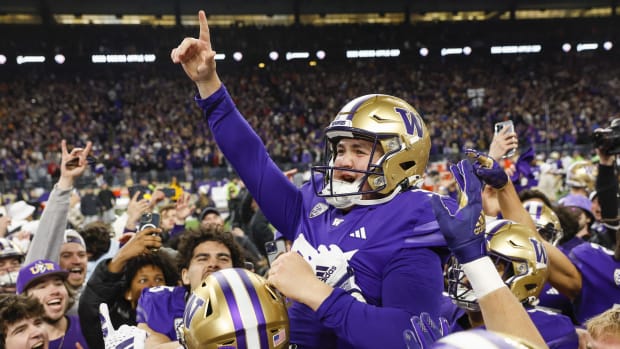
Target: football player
column 201, row 252
column 367, row 250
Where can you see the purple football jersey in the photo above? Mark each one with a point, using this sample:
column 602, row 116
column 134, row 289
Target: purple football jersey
column 556, row 329
column 394, row 249
column 161, row 308
column 600, row 286
column 553, row 300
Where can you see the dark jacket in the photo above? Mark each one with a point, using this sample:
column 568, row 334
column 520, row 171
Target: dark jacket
column 103, row 287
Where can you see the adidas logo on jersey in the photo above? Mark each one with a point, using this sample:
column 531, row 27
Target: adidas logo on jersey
column 323, row 273
column 359, row 233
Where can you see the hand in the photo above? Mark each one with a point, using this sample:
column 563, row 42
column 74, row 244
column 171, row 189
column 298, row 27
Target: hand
column 126, row 336
column 502, row 143
column 197, row 58
column 135, row 210
column 5, row 222
column 463, row 229
column 183, row 208
column 73, row 164
column 142, row 242
column 425, row 331
column 294, row 277
column 488, row 169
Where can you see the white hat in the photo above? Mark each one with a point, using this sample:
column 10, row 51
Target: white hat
column 20, row 210
column 73, row 236
column 31, row 226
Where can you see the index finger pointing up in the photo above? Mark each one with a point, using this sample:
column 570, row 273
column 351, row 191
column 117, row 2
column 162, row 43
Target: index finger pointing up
column 204, row 26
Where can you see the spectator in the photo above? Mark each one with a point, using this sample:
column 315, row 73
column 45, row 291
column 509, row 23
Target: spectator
column 21, row 323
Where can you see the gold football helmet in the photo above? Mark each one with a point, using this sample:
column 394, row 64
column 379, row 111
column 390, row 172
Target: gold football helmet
column 582, row 174
column 235, row 308
column 519, row 257
column 387, row 122
column 547, row 222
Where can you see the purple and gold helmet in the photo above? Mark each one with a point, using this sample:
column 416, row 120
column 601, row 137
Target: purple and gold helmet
column 235, row 308
column 547, row 222
column 520, row 258
column 390, row 124
column 582, row 174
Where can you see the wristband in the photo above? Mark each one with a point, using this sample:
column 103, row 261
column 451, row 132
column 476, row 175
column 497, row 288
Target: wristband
column 483, row 276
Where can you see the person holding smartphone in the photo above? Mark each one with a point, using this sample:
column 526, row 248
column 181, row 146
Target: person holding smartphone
column 505, row 141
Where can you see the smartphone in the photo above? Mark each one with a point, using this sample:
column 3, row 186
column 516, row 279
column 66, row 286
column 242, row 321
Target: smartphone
column 138, row 188
column 149, row 220
column 511, row 129
column 274, row 249
column 168, row 192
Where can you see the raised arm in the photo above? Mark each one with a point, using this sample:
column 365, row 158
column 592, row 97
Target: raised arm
column 197, row 58
column 562, row 273
column 464, row 232
column 46, row 243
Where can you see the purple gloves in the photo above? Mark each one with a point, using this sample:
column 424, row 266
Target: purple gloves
column 463, row 229
column 425, row 331
column 489, row 171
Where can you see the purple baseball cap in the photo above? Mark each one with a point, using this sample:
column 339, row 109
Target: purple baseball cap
column 576, row 200
column 34, row 271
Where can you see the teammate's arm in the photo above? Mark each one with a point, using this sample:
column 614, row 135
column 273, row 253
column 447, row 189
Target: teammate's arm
column 464, row 231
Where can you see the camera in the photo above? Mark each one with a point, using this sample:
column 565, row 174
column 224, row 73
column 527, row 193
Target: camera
column 608, row 139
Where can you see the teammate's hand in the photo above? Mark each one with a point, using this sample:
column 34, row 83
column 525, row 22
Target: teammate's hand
column 126, row 337
column 488, row 169
column 425, row 331
column 463, row 229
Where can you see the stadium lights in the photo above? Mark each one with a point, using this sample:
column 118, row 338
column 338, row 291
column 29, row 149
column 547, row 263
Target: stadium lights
column 122, row 58
column 297, row 55
column 566, row 47
column 60, row 59
column 30, row 59
column 512, row 49
column 607, row 45
column 373, row 53
column 273, row 55
column 2, row 59
column 237, row 56
column 320, row 54
column 586, row 46
column 423, row 51
column 456, row 51
column 220, row 56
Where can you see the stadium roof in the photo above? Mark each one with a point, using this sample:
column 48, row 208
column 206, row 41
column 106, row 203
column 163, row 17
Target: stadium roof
column 59, row 11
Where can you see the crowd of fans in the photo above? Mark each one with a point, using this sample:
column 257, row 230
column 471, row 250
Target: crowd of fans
column 143, row 124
